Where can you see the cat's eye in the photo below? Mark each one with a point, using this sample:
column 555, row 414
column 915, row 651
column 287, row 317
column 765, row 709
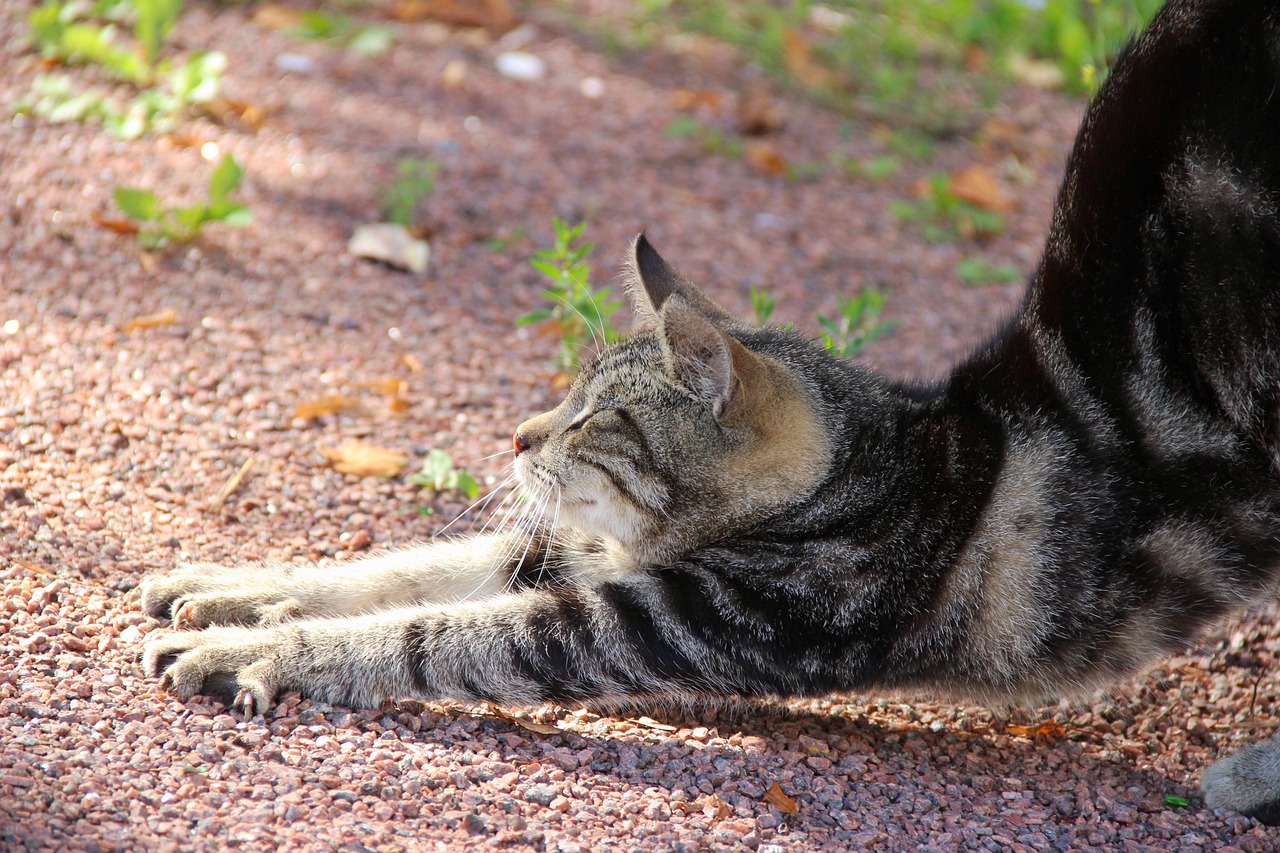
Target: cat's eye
column 580, row 421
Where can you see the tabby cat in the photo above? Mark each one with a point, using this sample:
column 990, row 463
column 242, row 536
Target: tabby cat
column 741, row 514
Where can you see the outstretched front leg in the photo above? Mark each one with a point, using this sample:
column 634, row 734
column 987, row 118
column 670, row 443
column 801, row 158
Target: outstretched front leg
column 198, row 595
column 619, row 640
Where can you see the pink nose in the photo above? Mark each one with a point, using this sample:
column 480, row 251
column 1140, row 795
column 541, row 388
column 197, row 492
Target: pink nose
column 520, row 444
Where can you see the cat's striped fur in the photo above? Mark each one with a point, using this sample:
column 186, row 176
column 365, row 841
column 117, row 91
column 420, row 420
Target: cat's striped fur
column 739, row 514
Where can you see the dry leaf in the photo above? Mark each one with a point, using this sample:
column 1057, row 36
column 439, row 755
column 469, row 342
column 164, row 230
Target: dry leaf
column 398, row 405
column 797, row 56
column 454, row 73
column 119, row 226
column 167, row 317
column 1036, row 72
column 650, row 723
column 779, row 800
column 392, row 244
column 364, row 460
column 388, row 386
column 274, row 16
column 763, row 157
column 719, row 809
column 686, row 100
column 496, row 15
column 412, row 362
column 228, row 111
column 324, row 406
column 1050, row 731
column 978, row 186
column 184, row 140
column 561, row 381
column 530, row 725
column 32, row 567
column 758, row 112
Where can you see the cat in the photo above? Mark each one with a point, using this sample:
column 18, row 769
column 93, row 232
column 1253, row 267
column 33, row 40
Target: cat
column 742, row 515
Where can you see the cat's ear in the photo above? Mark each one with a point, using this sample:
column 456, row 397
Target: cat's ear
column 651, row 281
column 698, row 354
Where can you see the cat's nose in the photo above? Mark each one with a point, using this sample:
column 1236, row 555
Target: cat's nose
column 520, row 444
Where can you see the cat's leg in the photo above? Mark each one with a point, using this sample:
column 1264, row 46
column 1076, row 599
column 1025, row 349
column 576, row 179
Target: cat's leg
column 202, row 594
column 651, row 634
column 1247, row 781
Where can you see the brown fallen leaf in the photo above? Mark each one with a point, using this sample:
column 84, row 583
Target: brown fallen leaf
column 184, row 140
column 388, row 386
column 764, row 157
column 32, row 567
column 691, row 99
column 321, row 407
column 495, row 15
column 779, row 800
column 119, row 226
column 717, row 808
column 228, row 111
column 530, row 725
column 650, row 723
column 758, row 111
column 560, row 381
column 1049, row 731
column 167, row 317
column 979, row 186
column 412, row 362
column 275, row 16
column 797, row 57
column 364, row 460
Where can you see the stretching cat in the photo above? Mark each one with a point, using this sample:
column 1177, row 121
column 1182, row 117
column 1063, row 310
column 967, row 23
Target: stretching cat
column 741, row 514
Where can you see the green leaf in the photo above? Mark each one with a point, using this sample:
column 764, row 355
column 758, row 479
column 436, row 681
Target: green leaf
column 137, row 204
column 465, row 483
column 371, row 41
column 547, row 268
column 978, row 271
column 188, row 221
column 682, row 128
column 1172, row 802
column 154, row 21
column 539, row 316
column 225, row 178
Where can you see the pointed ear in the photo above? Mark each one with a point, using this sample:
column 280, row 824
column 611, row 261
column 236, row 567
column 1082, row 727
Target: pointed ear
column 651, row 281
column 698, row 354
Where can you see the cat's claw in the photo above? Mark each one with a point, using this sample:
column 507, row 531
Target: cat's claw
column 240, row 665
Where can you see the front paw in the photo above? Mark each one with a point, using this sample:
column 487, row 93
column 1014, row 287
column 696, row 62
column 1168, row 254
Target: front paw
column 199, row 595
column 244, row 667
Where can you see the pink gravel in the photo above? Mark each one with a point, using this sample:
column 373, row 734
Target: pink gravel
column 113, row 444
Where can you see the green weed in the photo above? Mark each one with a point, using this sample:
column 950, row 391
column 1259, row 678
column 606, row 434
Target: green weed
column 415, row 180
column 856, row 324
column 978, row 271
column 578, row 313
column 942, row 216
column 503, row 244
column 438, row 473
column 932, row 65
column 762, row 304
column 161, row 225
column 73, row 33
column 364, row 40
column 714, row 142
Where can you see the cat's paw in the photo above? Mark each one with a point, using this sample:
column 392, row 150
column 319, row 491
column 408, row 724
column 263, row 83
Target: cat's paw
column 1247, row 781
column 200, row 595
column 243, row 667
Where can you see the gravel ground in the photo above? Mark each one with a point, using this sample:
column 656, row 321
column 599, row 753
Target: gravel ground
column 115, row 442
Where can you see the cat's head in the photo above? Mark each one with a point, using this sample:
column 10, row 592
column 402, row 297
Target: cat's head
column 680, row 434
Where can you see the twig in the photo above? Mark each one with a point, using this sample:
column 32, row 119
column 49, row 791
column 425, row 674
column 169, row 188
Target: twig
column 232, row 484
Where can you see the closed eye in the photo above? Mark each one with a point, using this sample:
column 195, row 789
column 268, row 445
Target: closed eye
column 585, row 415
